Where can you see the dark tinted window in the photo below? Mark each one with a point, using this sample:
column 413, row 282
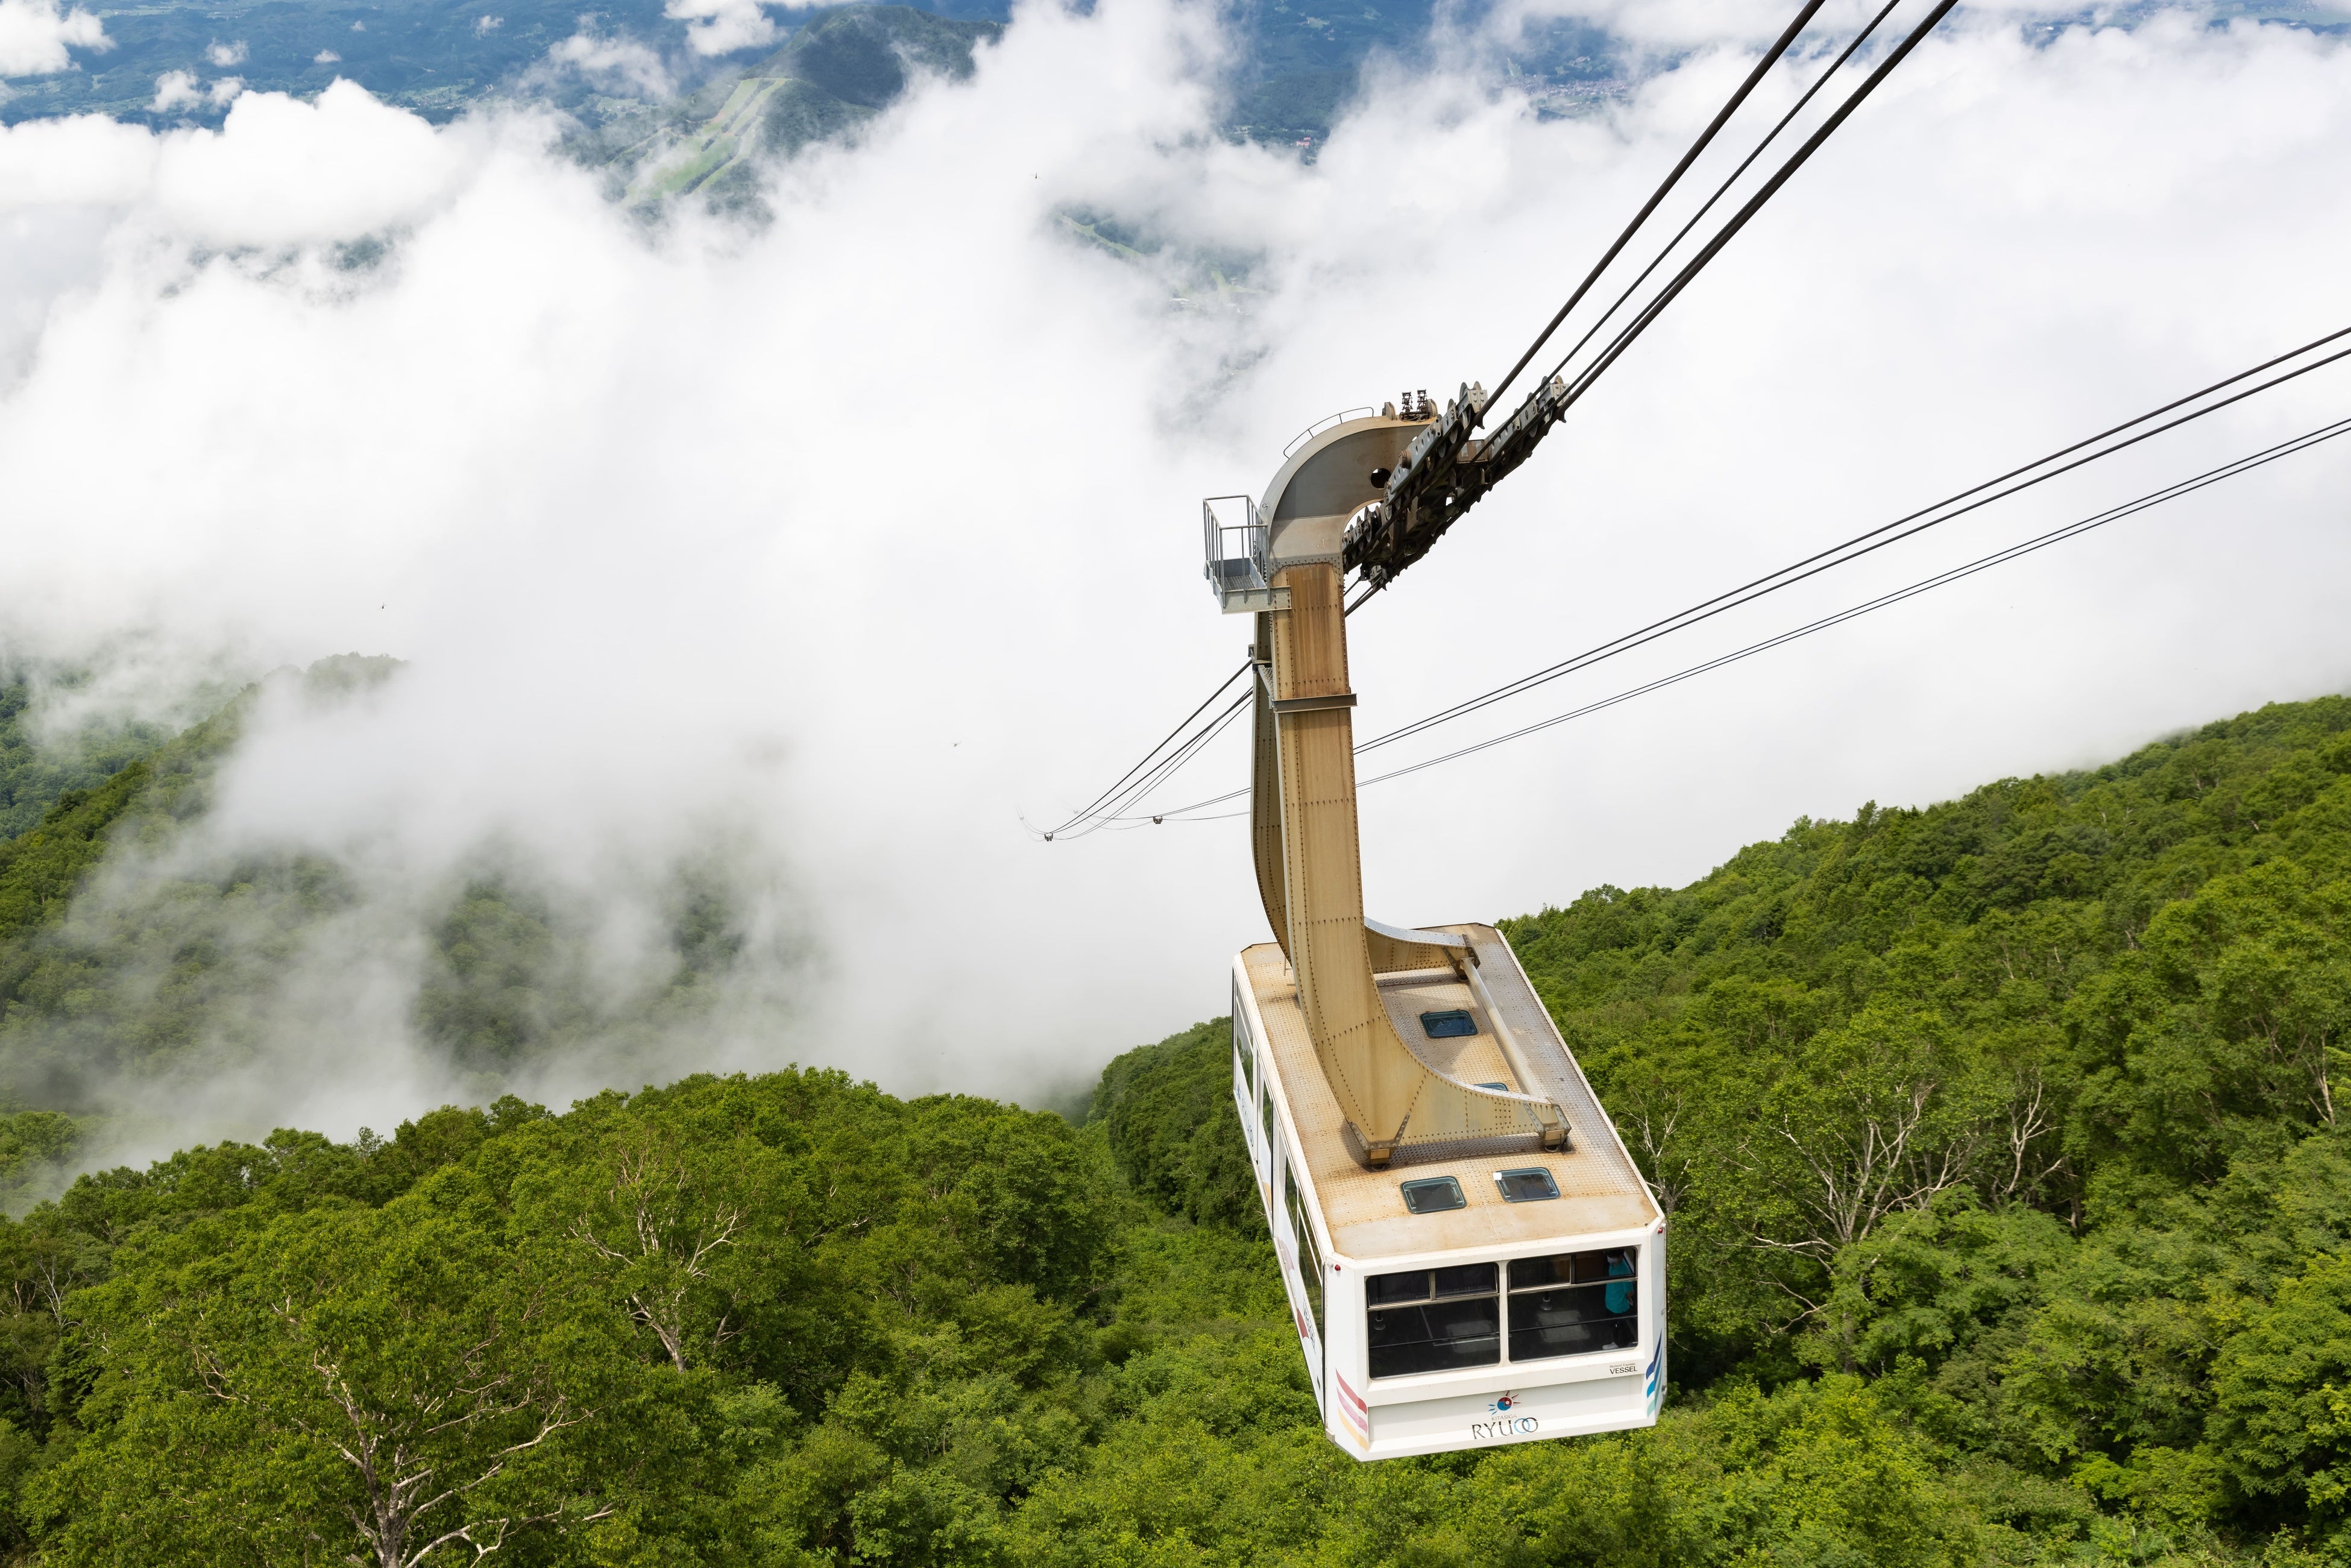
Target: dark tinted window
column 1573, row 1320
column 1574, row 1268
column 1433, row 1195
column 1310, row 1256
column 1462, row 1280
column 1437, row 1337
column 1451, row 1024
column 1525, row 1186
column 1466, row 1279
column 1526, row 1272
column 1620, row 1263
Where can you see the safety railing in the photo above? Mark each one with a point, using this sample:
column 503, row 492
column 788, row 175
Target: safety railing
column 1233, row 537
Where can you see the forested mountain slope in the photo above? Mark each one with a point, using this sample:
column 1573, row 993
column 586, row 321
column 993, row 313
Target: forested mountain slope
column 2010, row 1225
column 835, row 75
column 2106, row 1003
column 34, row 773
column 134, row 956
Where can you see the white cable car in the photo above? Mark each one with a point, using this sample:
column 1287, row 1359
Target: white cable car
column 1471, row 1256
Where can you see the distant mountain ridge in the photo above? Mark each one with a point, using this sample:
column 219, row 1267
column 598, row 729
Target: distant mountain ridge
column 832, row 77
column 1297, row 67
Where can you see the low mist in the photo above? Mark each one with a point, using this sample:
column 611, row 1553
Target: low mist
column 752, row 576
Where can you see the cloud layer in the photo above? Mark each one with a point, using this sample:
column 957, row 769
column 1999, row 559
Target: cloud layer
column 36, row 35
column 844, row 538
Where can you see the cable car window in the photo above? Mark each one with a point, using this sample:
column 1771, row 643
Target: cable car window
column 1574, row 1268
column 1574, row 1303
column 1452, row 1024
column 1527, row 1186
column 1243, row 1057
column 1310, row 1260
column 1267, row 1102
column 1434, row 1320
column 1422, row 1284
column 1466, row 1279
column 1433, row 1195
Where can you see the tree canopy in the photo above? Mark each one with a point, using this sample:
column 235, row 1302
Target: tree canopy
column 2012, row 1224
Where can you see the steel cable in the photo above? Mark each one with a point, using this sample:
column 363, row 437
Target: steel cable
column 1720, row 191
column 1633, row 330
column 1878, row 538
column 1722, row 117
column 1999, row 558
column 1122, row 790
column 1867, row 542
column 1088, row 809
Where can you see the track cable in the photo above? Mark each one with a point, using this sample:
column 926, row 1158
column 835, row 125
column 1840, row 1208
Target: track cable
column 2025, row 476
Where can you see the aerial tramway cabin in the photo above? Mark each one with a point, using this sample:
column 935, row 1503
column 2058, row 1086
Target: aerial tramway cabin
column 1471, row 1256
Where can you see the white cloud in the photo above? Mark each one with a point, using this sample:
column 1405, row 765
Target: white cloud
column 486, row 25
column 58, row 178
column 622, row 59
column 1677, row 24
column 226, row 54
column 85, row 160
column 278, row 171
column 325, row 57
column 723, row 27
column 173, row 89
column 226, row 91
column 283, row 171
column 359, row 26
column 853, row 535
column 35, row 36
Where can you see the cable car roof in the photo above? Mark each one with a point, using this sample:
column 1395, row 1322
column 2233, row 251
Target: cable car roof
column 1362, row 1210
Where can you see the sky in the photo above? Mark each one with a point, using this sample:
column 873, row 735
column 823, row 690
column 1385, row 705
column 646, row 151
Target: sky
column 842, row 541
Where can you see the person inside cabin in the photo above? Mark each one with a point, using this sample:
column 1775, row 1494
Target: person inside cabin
column 1619, row 1295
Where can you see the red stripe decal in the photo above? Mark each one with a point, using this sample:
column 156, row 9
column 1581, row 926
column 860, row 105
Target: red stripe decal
column 1359, row 1419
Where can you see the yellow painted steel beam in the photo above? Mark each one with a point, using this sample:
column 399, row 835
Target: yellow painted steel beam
column 1310, row 877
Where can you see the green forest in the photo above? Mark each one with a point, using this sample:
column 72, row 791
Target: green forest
column 166, row 974
column 2011, row 1224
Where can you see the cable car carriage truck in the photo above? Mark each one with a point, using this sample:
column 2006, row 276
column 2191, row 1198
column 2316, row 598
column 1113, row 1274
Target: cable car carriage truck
column 1471, row 1256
